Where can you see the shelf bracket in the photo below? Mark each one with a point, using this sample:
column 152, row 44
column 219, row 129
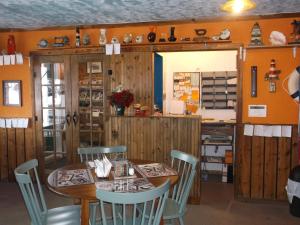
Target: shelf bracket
column 294, row 52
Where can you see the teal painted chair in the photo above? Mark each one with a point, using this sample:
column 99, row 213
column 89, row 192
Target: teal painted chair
column 124, row 206
column 35, row 201
column 92, row 153
column 185, row 165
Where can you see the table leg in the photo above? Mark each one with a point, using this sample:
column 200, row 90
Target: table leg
column 85, row 212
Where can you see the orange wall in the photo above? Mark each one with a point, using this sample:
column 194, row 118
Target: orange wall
column 281, row 108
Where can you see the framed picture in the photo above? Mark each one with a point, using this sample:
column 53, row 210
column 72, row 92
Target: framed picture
column 12, row 92
column 94, row 67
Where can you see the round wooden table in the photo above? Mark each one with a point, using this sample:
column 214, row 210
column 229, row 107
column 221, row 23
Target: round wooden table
column 87, row 192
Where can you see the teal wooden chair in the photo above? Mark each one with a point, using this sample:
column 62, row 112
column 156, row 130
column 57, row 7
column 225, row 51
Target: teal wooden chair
column 92, row 153
column 35, row 201
column 124, row 206
column 185, row 165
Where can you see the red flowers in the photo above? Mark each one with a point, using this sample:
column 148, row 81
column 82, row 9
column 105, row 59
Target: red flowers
column 122, row 98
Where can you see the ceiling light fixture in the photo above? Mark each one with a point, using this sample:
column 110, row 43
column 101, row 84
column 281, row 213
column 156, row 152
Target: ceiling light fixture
column 237, row 6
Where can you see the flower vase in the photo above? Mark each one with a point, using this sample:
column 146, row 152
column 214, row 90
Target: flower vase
column 120, row 110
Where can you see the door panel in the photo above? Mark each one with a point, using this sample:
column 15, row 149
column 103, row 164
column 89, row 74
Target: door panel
column 52, row 103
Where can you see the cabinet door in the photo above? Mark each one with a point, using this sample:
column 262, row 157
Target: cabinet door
column 87, row 100
column 52, row 109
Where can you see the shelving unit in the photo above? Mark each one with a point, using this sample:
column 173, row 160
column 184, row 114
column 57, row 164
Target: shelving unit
column 217, row 139
column 91, row 104
column 218, row 90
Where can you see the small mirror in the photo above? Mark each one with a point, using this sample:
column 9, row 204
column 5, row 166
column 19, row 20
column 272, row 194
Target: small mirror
column 12, row 93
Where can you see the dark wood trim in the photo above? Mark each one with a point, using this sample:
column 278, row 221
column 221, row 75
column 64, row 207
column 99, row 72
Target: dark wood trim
column 227, row 18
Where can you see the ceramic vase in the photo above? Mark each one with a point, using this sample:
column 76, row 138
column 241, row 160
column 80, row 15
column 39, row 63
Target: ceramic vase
column 102, row 38
column 120, row 110
column 152, row 35
column 172, row 37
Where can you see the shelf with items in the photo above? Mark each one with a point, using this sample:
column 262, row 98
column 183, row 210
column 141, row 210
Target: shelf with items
column 217, row 151
column 218, row 90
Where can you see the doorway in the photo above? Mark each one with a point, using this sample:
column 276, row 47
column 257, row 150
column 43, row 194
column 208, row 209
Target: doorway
column 205, row 83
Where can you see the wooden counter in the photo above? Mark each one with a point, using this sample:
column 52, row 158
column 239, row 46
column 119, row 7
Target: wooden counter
column 152, row 138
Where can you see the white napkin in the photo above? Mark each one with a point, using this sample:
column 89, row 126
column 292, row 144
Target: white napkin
column 102, row 167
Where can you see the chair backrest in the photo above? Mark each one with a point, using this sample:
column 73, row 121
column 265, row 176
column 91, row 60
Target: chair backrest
column 185, row 165
column 139, row 208
column 91, row 153
column 32, row 194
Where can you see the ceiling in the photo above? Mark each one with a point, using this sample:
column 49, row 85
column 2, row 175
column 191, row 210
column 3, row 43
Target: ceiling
column 36, row 14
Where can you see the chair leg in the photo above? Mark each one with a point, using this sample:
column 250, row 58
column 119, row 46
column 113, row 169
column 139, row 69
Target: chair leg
column 181, row 221
column 93, row 214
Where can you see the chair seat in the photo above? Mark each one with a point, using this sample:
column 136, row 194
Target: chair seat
column 171, row 210
column 66, row 215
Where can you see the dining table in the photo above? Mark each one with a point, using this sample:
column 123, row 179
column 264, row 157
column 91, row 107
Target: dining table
column 86, row 193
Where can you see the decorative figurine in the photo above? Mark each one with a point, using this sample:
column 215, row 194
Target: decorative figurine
column 172, row 37
column 200, row 35
column 296, row 32
column 256, row 39
column 277, row 38
column 86, row 40
column 60, row 41
column 77, row 39
column 11, row 45
column 163, row 37
column 102, row 38
column 127, row 38
column 225, row 34
column 139, row 39
column 152, row 35
column 272, row 76
column 114, row 40
column 43, row 43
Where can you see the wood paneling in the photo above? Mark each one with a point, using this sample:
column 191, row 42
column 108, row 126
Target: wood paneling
column 16, row 146
column 263, row 165
column 133, row 70
column 152, row 138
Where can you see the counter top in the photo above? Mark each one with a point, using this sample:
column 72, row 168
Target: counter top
column 162, row 116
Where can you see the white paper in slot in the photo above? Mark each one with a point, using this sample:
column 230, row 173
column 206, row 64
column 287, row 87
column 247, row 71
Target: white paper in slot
column 286, row 131
column 12, row 59
column 19, row 58
column 268, row 130
column 248, row 130
column 8, row 123
column 1, row 60
column 109, row 49
column 6, row 60
column 2, row 123
column 14, row 123
column 259, row 130
column 117, row 48
column 276, row 131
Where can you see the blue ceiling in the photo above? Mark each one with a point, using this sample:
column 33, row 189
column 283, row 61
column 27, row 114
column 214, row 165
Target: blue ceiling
column 34, row 14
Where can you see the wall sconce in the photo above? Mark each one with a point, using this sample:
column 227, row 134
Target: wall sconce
column 272, row 76
column 237, row 6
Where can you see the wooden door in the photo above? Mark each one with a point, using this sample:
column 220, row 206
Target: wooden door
column 88, row 98
column 52, row 111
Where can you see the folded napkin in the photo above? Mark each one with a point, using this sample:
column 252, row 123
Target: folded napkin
column 103, row 167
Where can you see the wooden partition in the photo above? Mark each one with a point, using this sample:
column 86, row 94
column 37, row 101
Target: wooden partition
column 153, row 138
column 16, row 146
column 263, row 165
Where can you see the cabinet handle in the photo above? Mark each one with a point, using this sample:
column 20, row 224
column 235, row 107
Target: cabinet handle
column 75, row 118
column 68, row 119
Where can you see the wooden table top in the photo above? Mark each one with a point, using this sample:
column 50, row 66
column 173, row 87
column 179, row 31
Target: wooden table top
column 88, row 191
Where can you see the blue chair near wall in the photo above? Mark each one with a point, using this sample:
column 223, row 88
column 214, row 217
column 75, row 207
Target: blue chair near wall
column 185, row 165
column 130, row 208
column 92, row 153
column 35, row 201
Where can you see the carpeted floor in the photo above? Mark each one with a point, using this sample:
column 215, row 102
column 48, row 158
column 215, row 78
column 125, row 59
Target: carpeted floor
column 217, row 208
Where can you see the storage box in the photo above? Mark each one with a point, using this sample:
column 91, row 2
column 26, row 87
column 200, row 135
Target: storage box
column 228, row 157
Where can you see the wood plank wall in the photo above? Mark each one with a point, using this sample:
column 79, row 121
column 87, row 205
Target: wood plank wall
column 152, row 138
column 133, row 70
column 263, row 165
column 16, row 146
